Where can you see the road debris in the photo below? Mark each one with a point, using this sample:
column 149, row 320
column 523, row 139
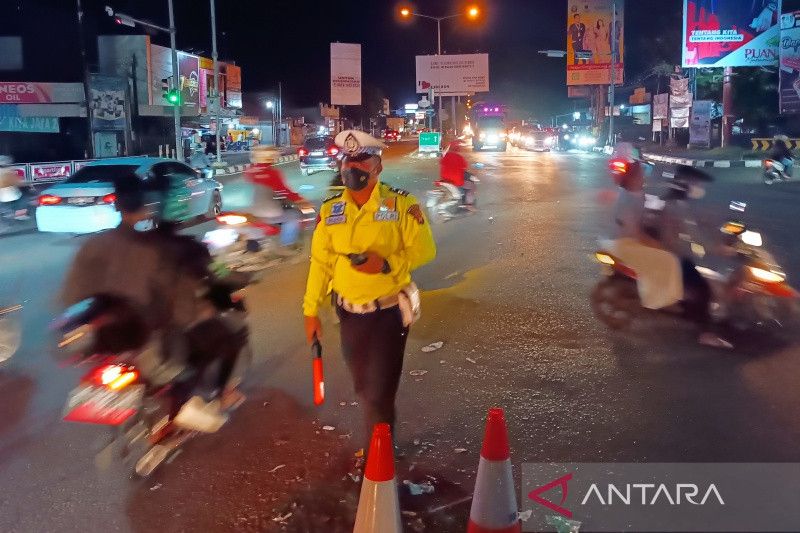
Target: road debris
column 432, row 347
column 156, row 486
column 328, row 428
column 524, row 516
column 460, row 450
column 417, row 489
column 354, row 477
column 446, row 506
column 282, row 518
column 471, row 360
column 563, row 525
column 452, row 275
column 418, row 372
column 275, row 469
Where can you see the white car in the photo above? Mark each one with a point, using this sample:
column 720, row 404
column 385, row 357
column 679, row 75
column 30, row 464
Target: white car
column 84, row 203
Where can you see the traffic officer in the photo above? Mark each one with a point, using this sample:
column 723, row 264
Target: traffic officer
column 368, row 240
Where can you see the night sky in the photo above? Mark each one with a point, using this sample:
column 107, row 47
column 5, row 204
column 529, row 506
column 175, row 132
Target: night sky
column 288, row 40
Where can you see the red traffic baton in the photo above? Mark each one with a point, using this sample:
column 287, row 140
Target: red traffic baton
column 316, row 367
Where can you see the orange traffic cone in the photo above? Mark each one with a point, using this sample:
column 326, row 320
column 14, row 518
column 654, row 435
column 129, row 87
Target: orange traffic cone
column 378, row 506
column 494, row 504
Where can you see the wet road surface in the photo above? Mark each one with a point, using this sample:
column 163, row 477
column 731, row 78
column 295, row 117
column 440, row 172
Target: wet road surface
column 508, row 297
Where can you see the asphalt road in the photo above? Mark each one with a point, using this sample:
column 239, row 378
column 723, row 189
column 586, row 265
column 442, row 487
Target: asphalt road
column 508, row 296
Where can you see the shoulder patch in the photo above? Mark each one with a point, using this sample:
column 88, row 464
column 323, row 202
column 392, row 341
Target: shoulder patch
column 416, row 213
column 333, row 196
column 401, row 192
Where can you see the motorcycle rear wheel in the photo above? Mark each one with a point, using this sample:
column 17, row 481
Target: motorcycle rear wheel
column 615, row 302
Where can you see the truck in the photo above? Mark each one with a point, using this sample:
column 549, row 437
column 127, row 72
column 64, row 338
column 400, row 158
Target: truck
column 488, row 125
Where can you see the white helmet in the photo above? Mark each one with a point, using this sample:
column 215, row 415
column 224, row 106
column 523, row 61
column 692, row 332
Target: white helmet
column 264, row 155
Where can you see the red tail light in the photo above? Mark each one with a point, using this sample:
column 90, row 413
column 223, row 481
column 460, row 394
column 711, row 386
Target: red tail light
column 333, row 150
column 302, row 152
column 49, row 199
column 618, row 167
column 767, row 164
column 108, row 198
column 113, row 377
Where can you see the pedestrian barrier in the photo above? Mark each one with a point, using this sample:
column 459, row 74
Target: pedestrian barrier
column 378, row 505
column 762, row 145
column 494, row 503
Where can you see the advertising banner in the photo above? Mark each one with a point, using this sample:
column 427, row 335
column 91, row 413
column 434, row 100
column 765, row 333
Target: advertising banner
column 700, row 123
column 661, row 106
column 730, row 33
column 22, row 92
column 233, row 75
column 453, row 75
column 345, row 74
column 108, row 103
column 589, row 36
column 790, row 63
column 29, row 124
column 189, row 70
column 50, row 171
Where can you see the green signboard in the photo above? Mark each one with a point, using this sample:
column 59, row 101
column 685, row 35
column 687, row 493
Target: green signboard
column 430, row 141
column 29, row 124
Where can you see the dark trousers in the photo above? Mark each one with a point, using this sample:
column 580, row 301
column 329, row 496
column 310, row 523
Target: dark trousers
column 373, row 346
column 698, row 301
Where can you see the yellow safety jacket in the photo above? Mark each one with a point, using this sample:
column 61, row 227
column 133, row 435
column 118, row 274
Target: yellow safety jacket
column 391, row 224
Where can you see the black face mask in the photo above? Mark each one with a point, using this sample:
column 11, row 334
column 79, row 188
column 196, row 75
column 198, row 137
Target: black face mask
column 355, row 179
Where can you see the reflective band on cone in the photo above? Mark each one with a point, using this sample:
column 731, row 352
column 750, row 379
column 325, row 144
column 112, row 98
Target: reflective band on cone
column 494, row 502
column 378, row 506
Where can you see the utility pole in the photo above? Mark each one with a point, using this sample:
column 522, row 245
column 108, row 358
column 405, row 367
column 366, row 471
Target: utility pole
column 86, row 79
column 217, row 99
column 727, row 106
column 176, row 84
column 439, row 52
column 280, row 113
column 612, row 85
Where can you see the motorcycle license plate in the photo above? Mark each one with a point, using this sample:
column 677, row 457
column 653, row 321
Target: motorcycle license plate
column 99, row 405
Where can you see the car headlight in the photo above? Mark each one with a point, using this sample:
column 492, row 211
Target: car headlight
column 566, row 137
column 767, row 276
column 548, row 140
column 482, row 135
column 503, row 135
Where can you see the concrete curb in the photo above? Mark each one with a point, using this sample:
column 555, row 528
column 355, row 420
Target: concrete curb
column 236, row 169
column 706, row 163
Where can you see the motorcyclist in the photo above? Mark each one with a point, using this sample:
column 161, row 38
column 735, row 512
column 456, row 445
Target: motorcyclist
column 199, row 160
column 780, row 152
column 675, row 233
column 453, row 169
column 272, row 194
column 659, row 282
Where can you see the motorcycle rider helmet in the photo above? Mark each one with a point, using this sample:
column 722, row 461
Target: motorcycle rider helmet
column 780, row 137
column 262, row 155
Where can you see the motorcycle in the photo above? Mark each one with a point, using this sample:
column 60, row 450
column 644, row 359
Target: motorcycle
column 10, row 331
column 446, row 201
column 754, row 292
column 774, row 171
column 129, row 384
column 17, row 207
column 248, row 244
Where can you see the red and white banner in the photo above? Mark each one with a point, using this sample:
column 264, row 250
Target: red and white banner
column 20, row 170
column 50, row 171
column 22, row 92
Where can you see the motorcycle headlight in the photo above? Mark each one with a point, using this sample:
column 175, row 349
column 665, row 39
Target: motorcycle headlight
column 482, row 135
column 767, row 276
column 752, row 238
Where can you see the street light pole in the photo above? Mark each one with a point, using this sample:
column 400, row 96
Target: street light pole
column 86, row 79
column 612, row 85
column 176, row 83
column 217, row 99
column 439, row 52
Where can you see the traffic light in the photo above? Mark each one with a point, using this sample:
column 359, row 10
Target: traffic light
column 172, row 96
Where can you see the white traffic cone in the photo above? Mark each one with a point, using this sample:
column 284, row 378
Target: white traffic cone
column 378, row 506
column 494, row 503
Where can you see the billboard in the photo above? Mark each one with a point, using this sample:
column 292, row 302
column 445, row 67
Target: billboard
column 189, row 70
column 790, row 63
column 345, row 74
column 700, row 123
column 233, row 90
column 453, row 75
column 108, row 102
column 730, row 33
column 589, row 29
column 24, row 92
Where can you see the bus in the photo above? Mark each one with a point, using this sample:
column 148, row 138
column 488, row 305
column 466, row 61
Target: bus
column 488, row 124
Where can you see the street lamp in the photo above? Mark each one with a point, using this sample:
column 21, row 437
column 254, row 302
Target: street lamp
column 472, row 12
column 127, row 20
column 269, row 104
column 576, row 115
